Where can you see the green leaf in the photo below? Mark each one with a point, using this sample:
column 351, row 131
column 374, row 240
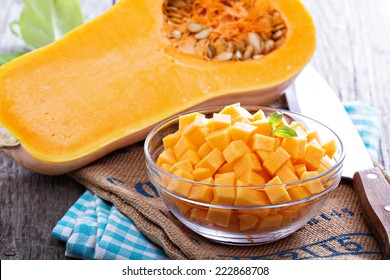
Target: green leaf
column 275, row 119
column 4, row 58
column 285, row 131
column 45, row 21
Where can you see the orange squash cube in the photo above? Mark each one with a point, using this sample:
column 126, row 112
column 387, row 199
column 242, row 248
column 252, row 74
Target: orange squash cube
column 313, row 156
column 183, row 165
column 263, row 155
column 187, row 119
column 201, row 173
column 262, row 127
column 235, row 150
column 219, row 139
column 212, row 161
column 313, row 186
column 228, row 178
column 295, row 146
column 245, row 163
column 219, row 216
column 178, row 186
column 166, row 157
column 191, row 155
column 298, row 192
column 247, row 221
column 221, row 121
column 259, row 115
column 264, row 143
column 250, row 197
column 198, row 214
column 225, row 168
column 202, row 193
column 300, row 168
column 170, row 140
column 242, row 131
column 313, row 134
column 183, row 145
column 330, row 148
column 204, row 150
column 275, row 160
column 277, row 193
column 270, row 222
column 286, row 174
column 252, row 178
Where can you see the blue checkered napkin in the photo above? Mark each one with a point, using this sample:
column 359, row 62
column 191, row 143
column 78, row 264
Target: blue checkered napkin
column 366, row 121
column 95, row 229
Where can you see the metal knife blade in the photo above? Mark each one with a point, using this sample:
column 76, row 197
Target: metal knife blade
column 312, row 96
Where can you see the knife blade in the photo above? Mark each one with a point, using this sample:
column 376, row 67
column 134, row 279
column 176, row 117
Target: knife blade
column 312, row 96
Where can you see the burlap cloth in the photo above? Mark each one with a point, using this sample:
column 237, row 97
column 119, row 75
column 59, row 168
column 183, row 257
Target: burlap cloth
column 338, row 231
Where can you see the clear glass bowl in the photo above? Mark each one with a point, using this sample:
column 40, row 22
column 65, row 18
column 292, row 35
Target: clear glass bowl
column 242, row 225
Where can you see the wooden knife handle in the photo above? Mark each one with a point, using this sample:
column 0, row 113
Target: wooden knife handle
column 374, row 193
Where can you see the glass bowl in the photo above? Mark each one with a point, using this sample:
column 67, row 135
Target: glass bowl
column 241, row 225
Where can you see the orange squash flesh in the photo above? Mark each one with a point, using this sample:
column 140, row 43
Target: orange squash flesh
column 105, row 84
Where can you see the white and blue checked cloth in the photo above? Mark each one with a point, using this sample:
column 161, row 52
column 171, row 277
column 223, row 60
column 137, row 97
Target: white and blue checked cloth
column 95, row 229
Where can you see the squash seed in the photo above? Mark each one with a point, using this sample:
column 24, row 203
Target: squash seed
column 203, row 34
column 257, row 56
column 224, row 56
column 269, row 45
column 176, row 34
column 195, row 27
column 248, row 52
column 238, row 55
column 211, row 51
column 278, row 34
column 255, row 40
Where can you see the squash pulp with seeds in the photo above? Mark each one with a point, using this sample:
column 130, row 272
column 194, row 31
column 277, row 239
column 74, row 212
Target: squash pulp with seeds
column 105, row 84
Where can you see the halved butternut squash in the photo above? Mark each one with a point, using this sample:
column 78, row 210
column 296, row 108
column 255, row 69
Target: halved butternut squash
column 107, row 83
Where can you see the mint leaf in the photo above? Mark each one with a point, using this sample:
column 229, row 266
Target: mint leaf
column 4, row 58
column 45, row 21
column 275, row 119
column 284, row 131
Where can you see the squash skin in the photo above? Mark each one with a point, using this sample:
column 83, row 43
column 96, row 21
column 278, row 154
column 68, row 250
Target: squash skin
column 100, row 122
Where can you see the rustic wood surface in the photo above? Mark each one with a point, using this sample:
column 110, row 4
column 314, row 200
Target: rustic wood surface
column 353, row 55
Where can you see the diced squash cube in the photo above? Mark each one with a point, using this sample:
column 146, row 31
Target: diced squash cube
column 300, row 168
column 198, row 214
column 263, row 155
column 198, row 135
column 286, row 173
column 245, row 163
column 313, row 134
column 180, row 187
column 242, row 131
column 204, row 150
column 202, row 193
column 221, row 121
column 212, row 161
column 250, row 197
column 170, row 140
column 228, row 178
column 270, row 222
column 295, row 146
column 235, row 150
column 298, row 192
column 219, row 216
column 252, row 178
column 313, row 186
column 275, row 160
column 187, row 119
column 301, row 125
column 277, row 193
column 166, row 157
column 264, row 143
column 248, row 221
column 313, row 156
column 201, row 173
column 259, row 115
column 330, row 147
column 225, row 168
column 262, row 127
column 183, row 165
column 191, row 155
column 219, row 139
column 183, row 145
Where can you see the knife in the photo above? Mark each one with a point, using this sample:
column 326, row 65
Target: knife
column 312, row 96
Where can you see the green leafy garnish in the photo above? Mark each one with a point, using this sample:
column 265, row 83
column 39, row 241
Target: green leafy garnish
column 43, row 22
column 281, row 131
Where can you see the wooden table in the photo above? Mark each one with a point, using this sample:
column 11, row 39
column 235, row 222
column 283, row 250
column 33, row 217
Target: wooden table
column 353, row 55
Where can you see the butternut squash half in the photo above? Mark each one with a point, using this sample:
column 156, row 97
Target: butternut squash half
column 107, row 83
